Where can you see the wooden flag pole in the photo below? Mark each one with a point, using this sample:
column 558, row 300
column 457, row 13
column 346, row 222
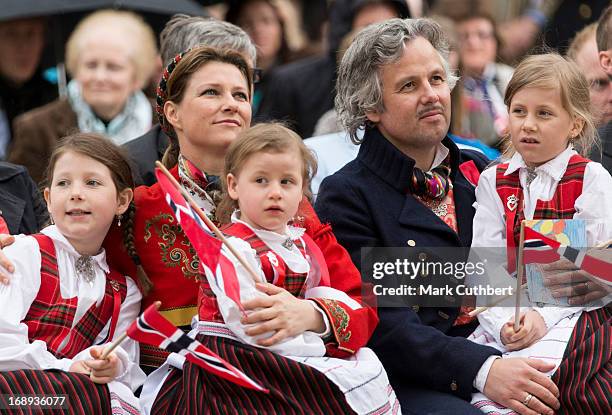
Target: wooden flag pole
column 120, row 339
column 520, row 270
column 207, row 221
column 479, row 310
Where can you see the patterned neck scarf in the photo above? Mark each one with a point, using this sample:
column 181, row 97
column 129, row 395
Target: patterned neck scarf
column 433, row 184
column 133, row 121
column 206, row 189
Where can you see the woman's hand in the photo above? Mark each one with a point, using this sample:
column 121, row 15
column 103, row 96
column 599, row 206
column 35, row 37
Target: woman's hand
column 564, row 279
column 532, row 329
column 5, row 240
column 280, row 311
column 103, row 370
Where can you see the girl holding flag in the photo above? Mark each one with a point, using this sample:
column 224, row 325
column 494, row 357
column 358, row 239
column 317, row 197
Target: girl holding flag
column 546, row 176
column 64, row 303
column 279, row 325
column 204, row 103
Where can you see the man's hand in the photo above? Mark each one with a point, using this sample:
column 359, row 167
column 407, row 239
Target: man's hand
column 6, row 240
column 531, row 330
column 511, row 382
column 565, row 280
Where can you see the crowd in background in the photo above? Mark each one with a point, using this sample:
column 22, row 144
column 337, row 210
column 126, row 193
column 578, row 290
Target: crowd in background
column 298, row 46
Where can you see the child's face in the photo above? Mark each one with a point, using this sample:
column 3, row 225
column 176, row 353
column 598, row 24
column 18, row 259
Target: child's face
column 83, row 201
column 540, row 127
column 268, row 189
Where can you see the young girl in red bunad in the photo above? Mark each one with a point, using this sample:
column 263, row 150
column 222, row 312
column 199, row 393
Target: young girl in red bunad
column 548, row 177
column 64, row 304
column 296, row 334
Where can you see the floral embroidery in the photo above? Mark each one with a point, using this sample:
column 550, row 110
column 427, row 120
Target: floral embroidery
column 168, row 231
column 339, row 319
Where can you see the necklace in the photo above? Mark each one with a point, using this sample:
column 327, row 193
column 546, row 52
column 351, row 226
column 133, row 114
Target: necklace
column 85, row 268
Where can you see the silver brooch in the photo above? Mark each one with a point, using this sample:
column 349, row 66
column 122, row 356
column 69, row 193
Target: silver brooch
column 85, row 268
column 441, row 210
column 288, row 243
column 512, row 202
column 531, row 175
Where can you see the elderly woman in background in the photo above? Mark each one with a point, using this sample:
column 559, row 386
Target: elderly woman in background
column 483, row 80
column 110, row 55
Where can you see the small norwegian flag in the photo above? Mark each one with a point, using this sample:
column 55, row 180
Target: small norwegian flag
column 153, row 329
column 539, row 249
column 222, row 272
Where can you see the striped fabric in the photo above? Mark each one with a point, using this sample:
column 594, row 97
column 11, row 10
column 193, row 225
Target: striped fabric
column 294, row 388
column 561, row 206
column 84, row 396
column 584, row 377
column 278, row 274
column 50, row 317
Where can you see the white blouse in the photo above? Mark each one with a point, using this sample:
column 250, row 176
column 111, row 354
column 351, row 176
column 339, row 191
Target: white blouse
column 594, row 204
column 16, row 351
column 489, row 226
column 305, row 344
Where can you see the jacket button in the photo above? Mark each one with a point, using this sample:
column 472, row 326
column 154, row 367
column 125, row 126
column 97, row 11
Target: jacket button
column 453, row 386
column 422, row 256
column 411, row 242
column 415, row 308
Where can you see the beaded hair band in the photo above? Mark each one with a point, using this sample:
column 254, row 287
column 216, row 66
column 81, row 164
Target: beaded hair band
column 162, row 94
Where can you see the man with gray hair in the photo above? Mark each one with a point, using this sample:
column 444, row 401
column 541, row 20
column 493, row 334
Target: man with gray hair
column 181, row 33
column 411, row 186
column 603, row 37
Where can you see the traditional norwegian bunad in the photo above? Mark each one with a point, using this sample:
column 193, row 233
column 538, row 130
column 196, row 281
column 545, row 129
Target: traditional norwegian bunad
column 579, row 340
column 57, row 306
column 309, row 373
column 172, row 264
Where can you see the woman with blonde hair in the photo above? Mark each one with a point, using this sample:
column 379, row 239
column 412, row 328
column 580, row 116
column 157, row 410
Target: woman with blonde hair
column 110, row 56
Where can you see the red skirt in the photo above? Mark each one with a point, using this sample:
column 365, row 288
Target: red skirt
column 295, row 388
column 84, row 396
column 584, row 377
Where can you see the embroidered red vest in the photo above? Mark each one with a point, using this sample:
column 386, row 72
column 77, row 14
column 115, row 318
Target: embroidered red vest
column 50, row 316
column 274, row 268
column 560, row 206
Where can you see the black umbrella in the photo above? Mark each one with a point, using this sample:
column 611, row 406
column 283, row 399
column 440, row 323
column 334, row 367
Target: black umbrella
column 17, row 9
column 63, row 16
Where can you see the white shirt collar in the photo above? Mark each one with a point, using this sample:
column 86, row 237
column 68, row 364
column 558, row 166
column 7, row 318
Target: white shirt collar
column 54, row 233
column 554, row 168
column 441, row 154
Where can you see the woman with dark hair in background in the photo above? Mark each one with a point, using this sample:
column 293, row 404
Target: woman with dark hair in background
column 265, row 25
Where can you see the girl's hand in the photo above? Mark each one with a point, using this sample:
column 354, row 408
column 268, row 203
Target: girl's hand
column 80, row 366
column 281, row 312
column 103, row 370
column 532, row 329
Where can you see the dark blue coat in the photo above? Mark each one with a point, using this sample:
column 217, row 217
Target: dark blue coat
column 368, row 203
column 21, row 205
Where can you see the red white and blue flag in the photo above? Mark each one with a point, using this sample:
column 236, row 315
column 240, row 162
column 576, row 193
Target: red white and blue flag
column 221, row 270
column 540, row 249
column 153, row 329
